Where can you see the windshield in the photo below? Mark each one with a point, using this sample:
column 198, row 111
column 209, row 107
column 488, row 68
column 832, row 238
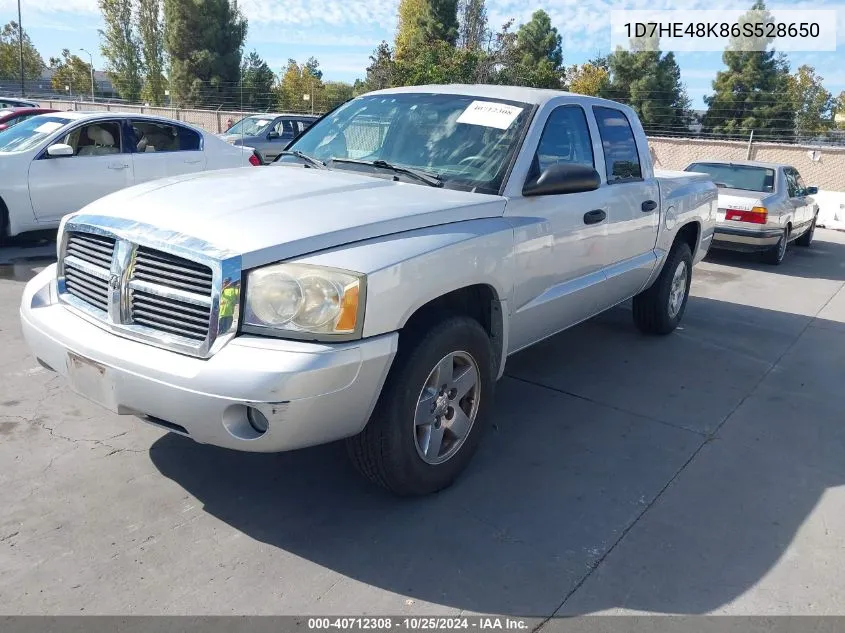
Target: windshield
column 28, row 134
column 466, row 141
column 250, row 126
column 745, row 177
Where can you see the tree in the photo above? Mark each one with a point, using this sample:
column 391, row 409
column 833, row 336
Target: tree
column 587, row 79
column 813, row 104
column 473, row 33
column 839, row 111
column 69, row 70
column 382, row 68
column 753, row 92
column 298, row 81
column 151, row 32
column 440, row 63
column 537, row 57
column 650, row 82
column 258, row 83
column 120, row 47
column 10, row 65
column 333, row 94
column 204, row 41
column 423, row 22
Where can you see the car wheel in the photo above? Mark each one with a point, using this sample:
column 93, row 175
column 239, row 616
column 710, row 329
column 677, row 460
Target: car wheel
column 776, row 255
column 807, row 239
column 660, row 308
column 4, row 225
column 432, row 411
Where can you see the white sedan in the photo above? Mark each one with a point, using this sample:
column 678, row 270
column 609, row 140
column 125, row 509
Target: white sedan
column 54, row 164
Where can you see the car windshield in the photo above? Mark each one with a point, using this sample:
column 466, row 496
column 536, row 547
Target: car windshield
column 745, row 177
column 467, row 142
column 28, row 134
column 250, row 126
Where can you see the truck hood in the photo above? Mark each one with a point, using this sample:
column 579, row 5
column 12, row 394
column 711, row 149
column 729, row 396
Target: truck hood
column 268, row 214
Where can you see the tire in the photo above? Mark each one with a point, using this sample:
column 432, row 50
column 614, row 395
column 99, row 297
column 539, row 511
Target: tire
column 807, row 239
column 660, row 308
column 776, row 255
column 391, row 450
column 4, row 225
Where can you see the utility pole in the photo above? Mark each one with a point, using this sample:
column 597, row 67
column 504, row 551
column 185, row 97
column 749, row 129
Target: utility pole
column 20, row 48
column 91, row 67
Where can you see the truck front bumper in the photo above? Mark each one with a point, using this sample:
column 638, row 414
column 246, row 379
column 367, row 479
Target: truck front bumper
column 309, row 393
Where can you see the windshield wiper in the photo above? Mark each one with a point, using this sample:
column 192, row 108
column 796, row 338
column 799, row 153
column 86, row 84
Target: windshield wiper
column 432, row 180
column 313, row 162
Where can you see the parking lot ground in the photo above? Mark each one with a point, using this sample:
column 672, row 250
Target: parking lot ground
column 697, row 473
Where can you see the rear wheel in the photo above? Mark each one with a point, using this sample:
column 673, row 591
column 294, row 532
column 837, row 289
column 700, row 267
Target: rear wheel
column 432, row 411
column 4, row 224
column 660, row 308
column 807, row 239
column 776, row 255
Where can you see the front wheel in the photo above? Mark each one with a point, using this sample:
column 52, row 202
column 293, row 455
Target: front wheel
column 660, row 308
column 432, row 411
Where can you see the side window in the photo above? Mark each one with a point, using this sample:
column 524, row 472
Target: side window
column 95, row 139
column 791, row 184
column 156, row 137
column 565, row 140
column 285, row 128
column 802, row 188
column 620, row 148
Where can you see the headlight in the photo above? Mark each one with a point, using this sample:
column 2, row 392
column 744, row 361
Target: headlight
column 296, row 298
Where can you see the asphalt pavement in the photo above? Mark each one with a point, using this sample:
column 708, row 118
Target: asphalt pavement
column 698, row 473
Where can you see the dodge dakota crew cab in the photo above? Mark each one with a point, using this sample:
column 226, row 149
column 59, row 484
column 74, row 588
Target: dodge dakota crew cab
column 371, row 283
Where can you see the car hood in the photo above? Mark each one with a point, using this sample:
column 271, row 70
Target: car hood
column 268, row 214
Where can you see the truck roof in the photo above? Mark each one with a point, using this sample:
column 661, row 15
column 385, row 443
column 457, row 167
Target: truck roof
column 536, row 96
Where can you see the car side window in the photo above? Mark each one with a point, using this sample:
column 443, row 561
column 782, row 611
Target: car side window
column 565, row 140
column 156, row 137
column 102, row 138
column 285, row 128
column 802, row 187
column 791, row 184
column 621, row 156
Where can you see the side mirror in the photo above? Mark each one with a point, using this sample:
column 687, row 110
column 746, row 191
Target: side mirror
column 562, row 178
column 59, row 149
column 273, row 135
column 811, row 191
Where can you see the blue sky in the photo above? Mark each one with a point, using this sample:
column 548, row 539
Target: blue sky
column 342, row 33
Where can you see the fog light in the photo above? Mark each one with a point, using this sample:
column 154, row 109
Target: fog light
column 257, row 420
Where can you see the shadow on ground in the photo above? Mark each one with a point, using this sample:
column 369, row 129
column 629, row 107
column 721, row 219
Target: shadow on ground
column 592, row 429
column 25, row 255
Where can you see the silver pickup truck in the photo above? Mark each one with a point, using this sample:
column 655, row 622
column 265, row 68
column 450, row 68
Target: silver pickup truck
column 372, row 282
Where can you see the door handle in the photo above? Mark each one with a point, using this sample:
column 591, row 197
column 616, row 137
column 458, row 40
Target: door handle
column 118, row 166
column 594, row 217
column 649, row 205
column 192, row 161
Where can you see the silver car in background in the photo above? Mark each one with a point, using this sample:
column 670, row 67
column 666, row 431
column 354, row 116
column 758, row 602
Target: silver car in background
column 269, row 134
column 763, row 207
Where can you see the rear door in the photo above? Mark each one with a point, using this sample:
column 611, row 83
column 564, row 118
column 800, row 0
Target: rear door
column 633, row 207
column 101, row 164
column 807, row 202
column 284, row 130
column 796, row 200
column 164, row 148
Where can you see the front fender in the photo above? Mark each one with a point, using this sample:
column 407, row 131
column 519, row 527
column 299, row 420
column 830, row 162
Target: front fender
column 407, row 270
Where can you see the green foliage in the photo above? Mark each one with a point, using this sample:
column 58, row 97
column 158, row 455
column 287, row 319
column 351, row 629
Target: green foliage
column 530, row 57
column 650, row 82
column 423, row 22
column 381, row 73
column 204, row 39
column 473, row 33
column 812, row 103
column 298, row 81
column 753, row 92
column 440, row 63
column 839, row 111
column 258, row 84
column 151, row 34
column 10, row 66
column 69, row 70
column 120, row 46
column 587, row 79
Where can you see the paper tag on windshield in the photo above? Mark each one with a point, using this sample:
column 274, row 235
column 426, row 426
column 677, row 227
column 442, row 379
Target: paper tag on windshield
column 50, row 126
column 490, row 114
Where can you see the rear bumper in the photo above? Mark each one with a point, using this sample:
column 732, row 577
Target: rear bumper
column 310, row 393
column 745, row 240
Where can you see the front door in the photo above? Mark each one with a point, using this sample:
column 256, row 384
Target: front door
column 634, row 209
column 100, row 165
column 558, row 269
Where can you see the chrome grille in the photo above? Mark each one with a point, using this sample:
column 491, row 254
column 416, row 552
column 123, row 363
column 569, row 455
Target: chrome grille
column 87, row 265
column 170, row 294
